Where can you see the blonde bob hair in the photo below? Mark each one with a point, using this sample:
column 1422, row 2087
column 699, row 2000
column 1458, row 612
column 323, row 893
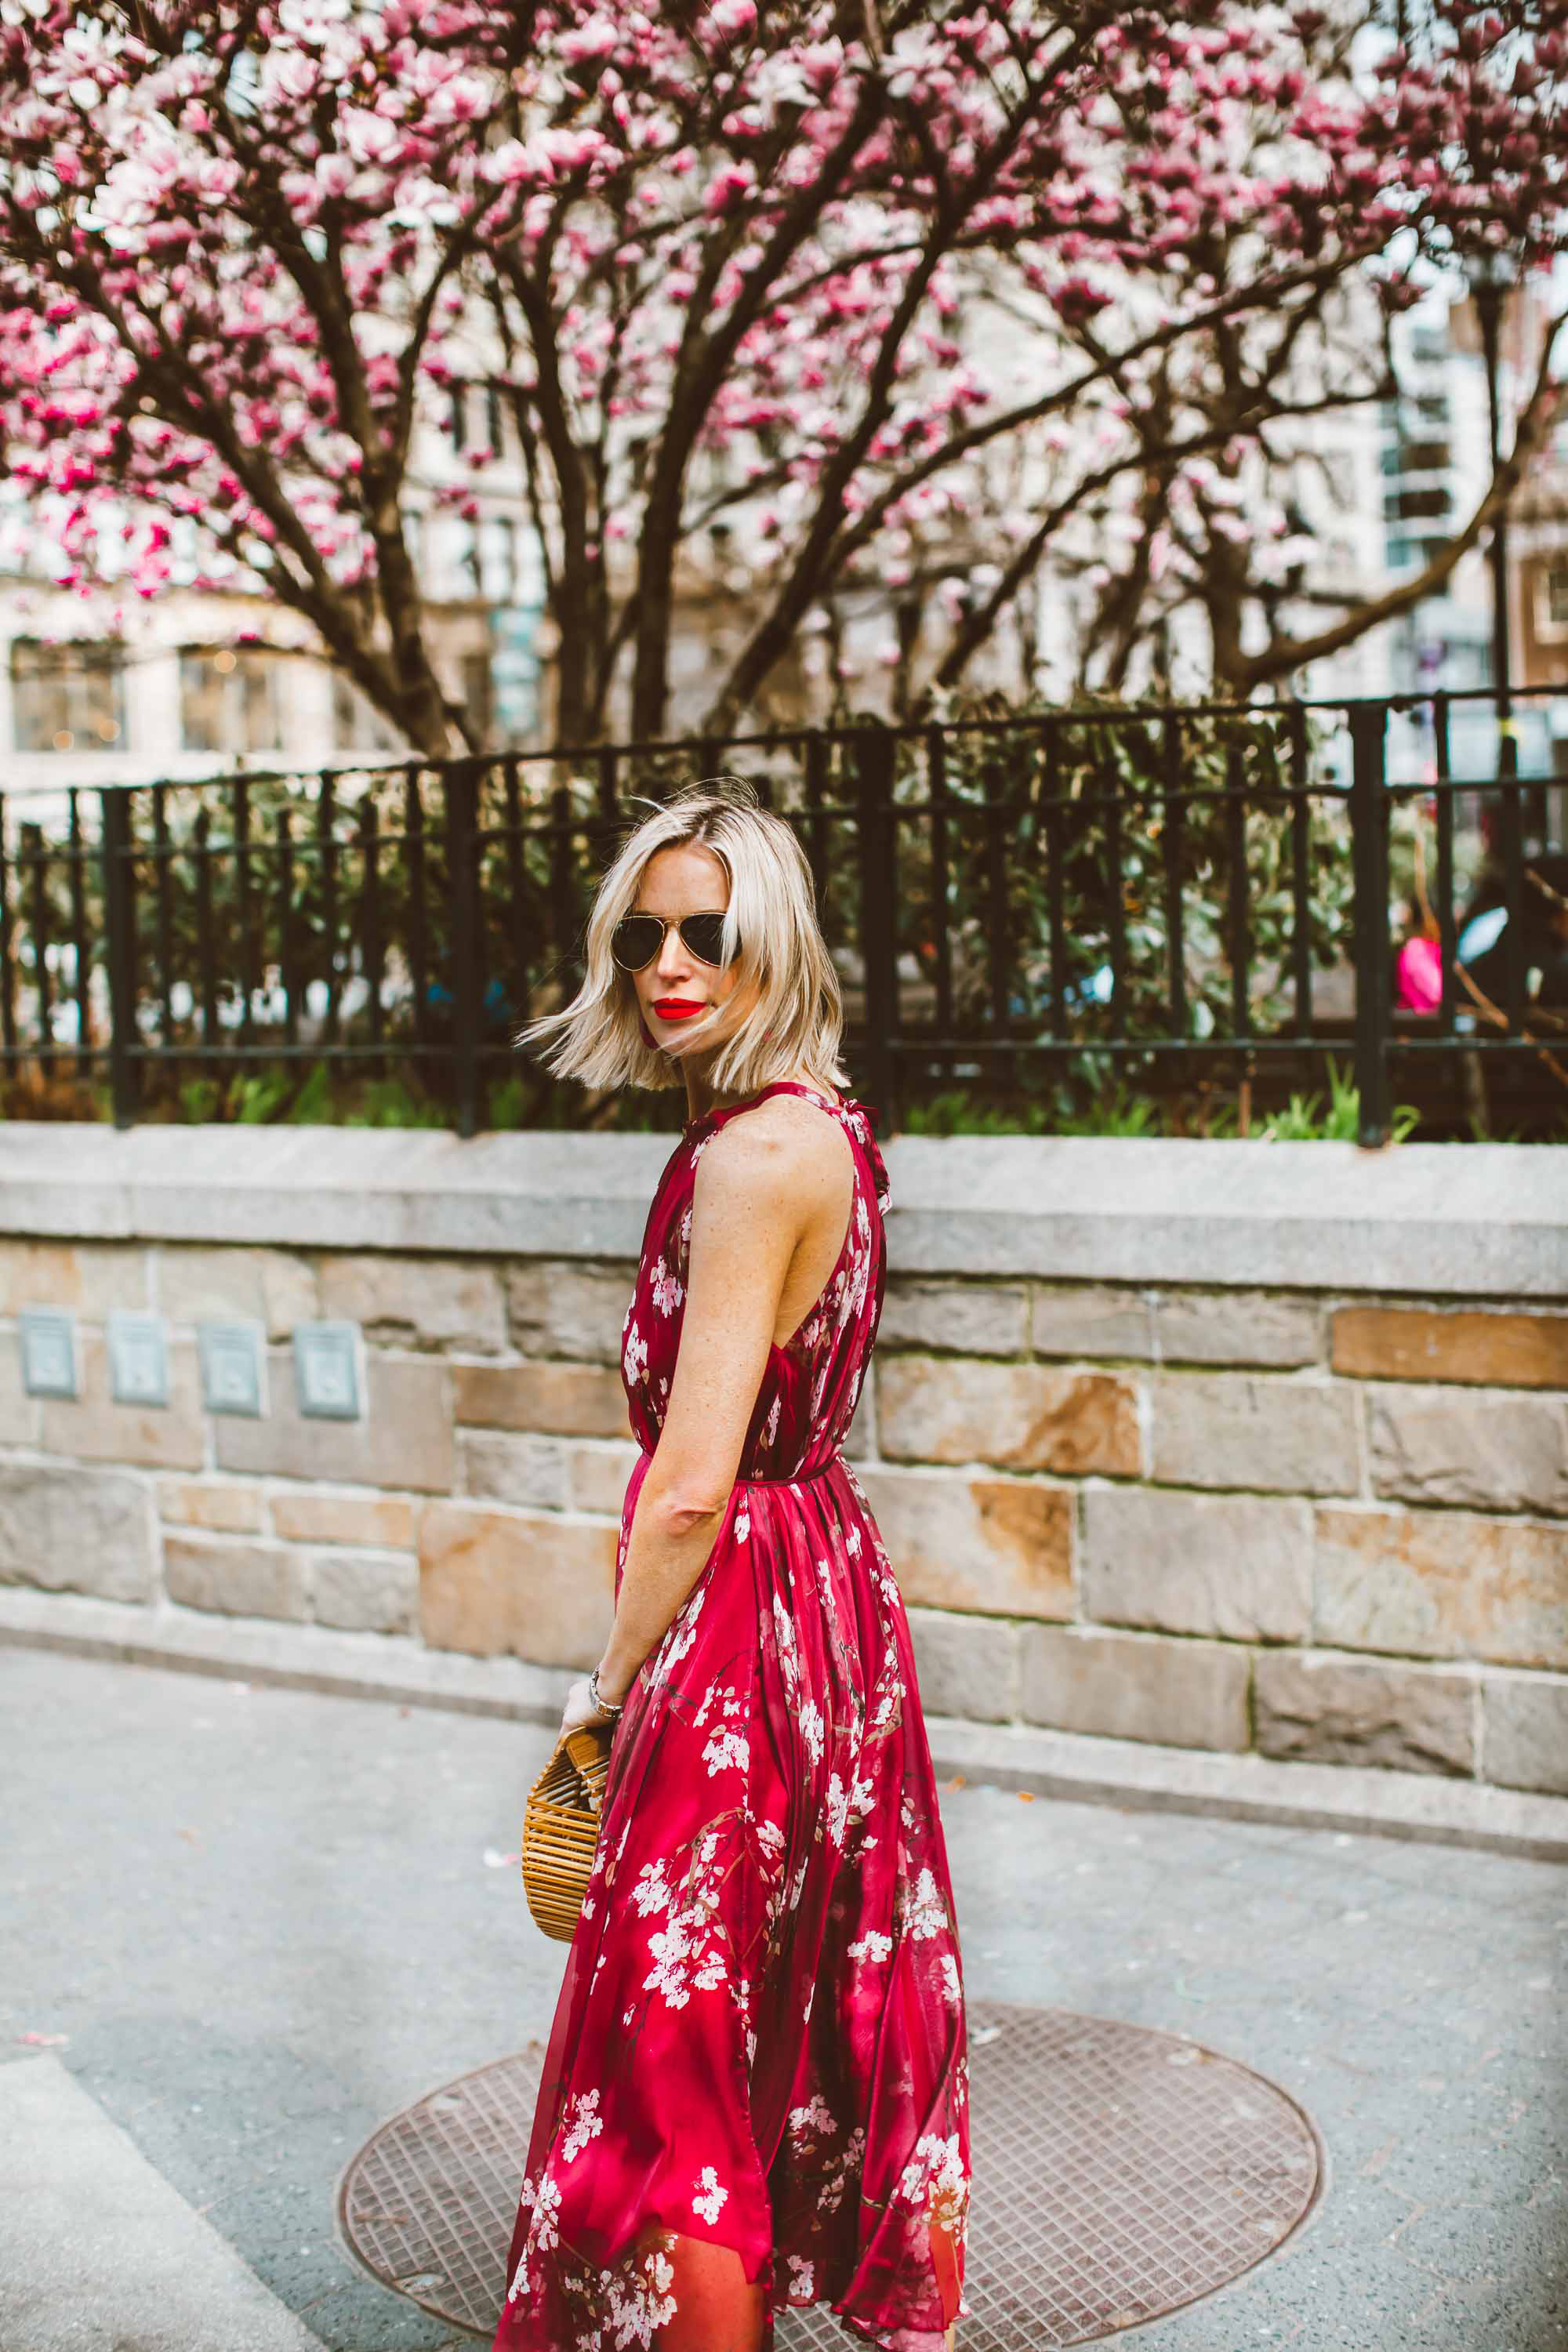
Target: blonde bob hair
column 786, row 1012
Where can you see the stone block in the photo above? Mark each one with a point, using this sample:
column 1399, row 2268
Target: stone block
column 558, row 1308
column 417, row 1302
column 404, row 1442
column 1237, row 1327
column 1002, row 1546
column 1137, row 1686
column 269, row 1286
column 1276, row 1436
column 1506, row 1453
column 1232, row 1566
column 1314, row 1709
column 235, row 1580
column 1088, row 1319
column 537, row 1585
column 552, row 1400
column 69, row 1531
column 157, row 1437
column 1020, row 1416
column 225, row 1509
column 386, row 1521
column 597, row 1476
column 977, row 1319
column 504, row 1467
column 366, row 1592
column 91, row 1277
column 1485, row 1346
column 966, row 1666
column 1442, row 1584
column 20, row 1414
column 1524, row 1741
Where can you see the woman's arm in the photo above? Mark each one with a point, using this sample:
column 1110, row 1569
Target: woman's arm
column 753, row 1193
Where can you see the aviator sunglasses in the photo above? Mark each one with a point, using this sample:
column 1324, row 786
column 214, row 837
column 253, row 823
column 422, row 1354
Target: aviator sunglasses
column 638, row 939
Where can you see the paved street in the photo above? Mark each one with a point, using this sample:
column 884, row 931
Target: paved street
column 251, row 1923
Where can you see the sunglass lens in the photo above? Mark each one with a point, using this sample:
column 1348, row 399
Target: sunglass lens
column 704, row 936
column 636, row 941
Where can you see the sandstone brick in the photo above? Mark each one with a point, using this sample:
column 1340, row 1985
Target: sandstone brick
column 1002, row 1546
column 405, row 1440
column 979, row 1318
column 222, row 1508
column 1022, row 1416
column 269, row 1286
column 1086, row 1319
column 1510, row 1454
column 158, row 1437
column 1279, row 1436
column 89, row 1276
column 1234, row 1566
column 509, row 1469
column 21, row 1415
column 558, row 1308
column 416, row 1302
column 71, row 1530
column 386, row 1521
column 1237, row 1327
column 1420, row 1343
column 966, row 1665
column 552, row 1400
column 235, row 1580
column 596, row 1476
column 1137, row 1686
column 1525, row 1738
column 1323, row 1710
column 366, row 1592
column 1442, row 1584
column 537, row 1585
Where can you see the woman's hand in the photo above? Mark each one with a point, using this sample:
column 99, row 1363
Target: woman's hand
column 580, row 1709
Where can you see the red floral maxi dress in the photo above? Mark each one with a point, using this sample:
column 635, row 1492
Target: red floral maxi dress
column 758, row 2066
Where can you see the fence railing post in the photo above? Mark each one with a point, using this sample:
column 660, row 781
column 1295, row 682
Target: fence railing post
column 120, row 951
column 1373, row 945
column 466, row 915
column 874, row 754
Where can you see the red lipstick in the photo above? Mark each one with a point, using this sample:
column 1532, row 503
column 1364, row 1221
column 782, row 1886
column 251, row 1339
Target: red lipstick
column 677, row 1008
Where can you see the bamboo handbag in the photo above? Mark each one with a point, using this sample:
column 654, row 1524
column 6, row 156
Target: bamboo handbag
column 561, row 1828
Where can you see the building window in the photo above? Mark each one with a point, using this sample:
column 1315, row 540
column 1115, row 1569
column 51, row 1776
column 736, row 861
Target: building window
column 66, row 697
column 228, row 700
column 357, row 724
column 1551, row 599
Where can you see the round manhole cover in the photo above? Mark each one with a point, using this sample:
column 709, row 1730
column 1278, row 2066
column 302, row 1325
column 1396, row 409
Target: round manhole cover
column 1119, row 2173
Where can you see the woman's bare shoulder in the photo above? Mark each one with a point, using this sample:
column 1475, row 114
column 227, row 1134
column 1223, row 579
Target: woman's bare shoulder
column 784, row 1152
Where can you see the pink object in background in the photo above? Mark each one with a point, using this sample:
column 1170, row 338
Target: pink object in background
column 1419, row 975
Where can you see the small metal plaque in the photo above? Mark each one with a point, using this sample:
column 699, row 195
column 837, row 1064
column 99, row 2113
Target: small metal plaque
column 48, row 1352
column 233, row 1368
column 327, row 1370
column 138, row 1358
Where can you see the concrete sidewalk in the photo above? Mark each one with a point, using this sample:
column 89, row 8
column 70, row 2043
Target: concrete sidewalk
column 262, row 1920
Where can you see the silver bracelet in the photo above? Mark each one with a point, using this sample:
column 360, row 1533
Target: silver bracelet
column 602, row 1704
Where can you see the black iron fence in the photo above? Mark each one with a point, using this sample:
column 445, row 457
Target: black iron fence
column 1160, row 891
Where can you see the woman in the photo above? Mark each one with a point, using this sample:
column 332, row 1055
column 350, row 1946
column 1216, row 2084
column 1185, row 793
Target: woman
column 756, row 2091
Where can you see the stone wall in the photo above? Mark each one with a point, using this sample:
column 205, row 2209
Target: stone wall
column 1313, row 1518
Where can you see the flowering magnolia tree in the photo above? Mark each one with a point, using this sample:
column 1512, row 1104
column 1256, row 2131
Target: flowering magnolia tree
column 805, row 262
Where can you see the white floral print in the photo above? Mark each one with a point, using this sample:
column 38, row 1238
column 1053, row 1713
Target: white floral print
column 587, row 2124
column 812, row 1729
column 634, row 1357
column 710, row 2197
column 870, row 1947
column 925, row 1912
